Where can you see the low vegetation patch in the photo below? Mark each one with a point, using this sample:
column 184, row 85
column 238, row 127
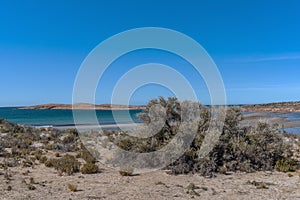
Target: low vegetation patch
column 126, row 170
column 259, row 184
column 86, row 155
column 239, row 148
column 286, row 165
column 89, row 168
column 67, row 164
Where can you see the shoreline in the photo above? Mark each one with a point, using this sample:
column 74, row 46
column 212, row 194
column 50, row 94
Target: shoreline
column 251, row 119
column 128, row 126
column 289, row 121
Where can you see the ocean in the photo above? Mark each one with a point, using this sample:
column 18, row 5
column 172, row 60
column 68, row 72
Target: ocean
column 64, row 118
column 292, row 117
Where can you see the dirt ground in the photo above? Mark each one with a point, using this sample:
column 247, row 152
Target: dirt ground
column 109, row 184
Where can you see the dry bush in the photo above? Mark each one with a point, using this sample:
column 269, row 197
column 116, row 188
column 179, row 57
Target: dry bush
column 126, row 170
column 89, row 168
column 239, row 148
column 43, row 159
column 286, row 165
column 67, row 164
column 86, row 155
column 72, row 187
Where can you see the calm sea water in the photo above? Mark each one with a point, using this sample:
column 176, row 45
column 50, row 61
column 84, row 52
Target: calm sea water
column 64, row 117
column 293, row 116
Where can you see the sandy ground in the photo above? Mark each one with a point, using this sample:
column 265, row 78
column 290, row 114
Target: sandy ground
column 109, row 184
column 155, row 185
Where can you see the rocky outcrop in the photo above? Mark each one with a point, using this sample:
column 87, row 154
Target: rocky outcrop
column 282, row 107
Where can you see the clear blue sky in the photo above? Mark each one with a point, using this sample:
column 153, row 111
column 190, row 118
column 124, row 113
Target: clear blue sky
column 255, row 44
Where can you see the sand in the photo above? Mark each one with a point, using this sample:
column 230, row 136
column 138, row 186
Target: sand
column 155, row 185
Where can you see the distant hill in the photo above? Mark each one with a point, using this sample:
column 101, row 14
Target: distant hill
column 82, row 106
column 282, row 107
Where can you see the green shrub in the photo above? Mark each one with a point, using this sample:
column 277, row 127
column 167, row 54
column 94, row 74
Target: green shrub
column 20, row 152
column 49, row 147
column 43, row 159
column 290, row 174
column 38, row 154
column 70, row 136
column 126, row 143
column 126, row 170
column 258, row 184
column 87, row 156
column 67, row 164
column 286, row 165
column 51, row 162
column 239, row 148
column 89, row 168
column 69, row 139
column 27, row 163
column 263, row 185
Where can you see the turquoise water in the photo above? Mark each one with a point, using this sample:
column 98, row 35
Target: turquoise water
column 64, row 117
